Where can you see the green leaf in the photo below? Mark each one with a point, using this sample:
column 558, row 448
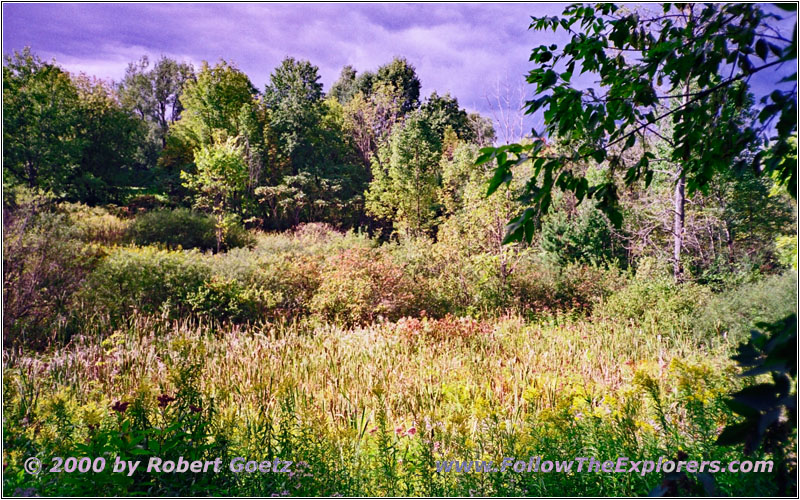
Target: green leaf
column 548, row 79
column 501, row 175
column 762, row 49
column 735, row 434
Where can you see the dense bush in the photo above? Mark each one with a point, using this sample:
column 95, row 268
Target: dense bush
column 360, row 286
column 96, row 224
column 660, row 305
column 541, row 287
column 44, row 264
column 146, row 280
column 585, row 237
column 182, row 228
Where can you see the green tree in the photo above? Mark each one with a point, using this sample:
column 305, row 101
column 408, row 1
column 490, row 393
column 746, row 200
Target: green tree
column 401, row 75
column 214, row 105
column 154, row 92
column 294, row 100
column 220, row 177
column 112, row 136
column 213, row 102
column 406, row 177
column 345, row 87
column 681, row 67
column 370, row 118
column 42, row 145
column 443, row 111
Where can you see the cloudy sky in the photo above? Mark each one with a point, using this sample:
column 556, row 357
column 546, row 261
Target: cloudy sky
column 464, row 49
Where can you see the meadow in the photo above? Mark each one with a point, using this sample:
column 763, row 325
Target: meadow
column 367, row 278
column 364, row 362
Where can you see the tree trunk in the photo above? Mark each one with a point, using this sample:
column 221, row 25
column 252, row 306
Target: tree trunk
column 678, row 222
column 680, row 191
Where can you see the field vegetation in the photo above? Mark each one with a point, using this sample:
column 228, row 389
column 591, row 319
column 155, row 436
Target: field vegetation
column 322, row 278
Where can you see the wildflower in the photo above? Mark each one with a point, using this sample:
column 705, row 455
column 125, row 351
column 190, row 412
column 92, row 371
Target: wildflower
column 120, row 406
column 399, row 431
column 411, row 431
column 373, row 430
column 164, row 400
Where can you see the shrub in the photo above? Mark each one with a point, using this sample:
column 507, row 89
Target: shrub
column 278, row 285
column 146, row 279
column 44, row 264
column 734, row 312
column 143, row 203
column 182, row 228
column 585, row 238
column 222, row 299
column 361, row 286
column 96, row 224
column 543, row 287
column 659, row 303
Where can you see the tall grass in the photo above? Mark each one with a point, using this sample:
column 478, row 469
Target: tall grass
column 365, row 364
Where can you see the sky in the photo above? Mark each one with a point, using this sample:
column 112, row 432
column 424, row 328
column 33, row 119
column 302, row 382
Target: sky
column 464, row 49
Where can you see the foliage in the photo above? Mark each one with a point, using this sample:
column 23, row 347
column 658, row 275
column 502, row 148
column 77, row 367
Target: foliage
column 212, row 102
column 361, row 286
column 220, row 176
column 41, row 144
column 44, row 265
column 406, row 177
column 585, row 237
column 154, row 93
column 146, row 280
column 659, row 304
column 182, row 228
column 636, row 55
column 769, row 408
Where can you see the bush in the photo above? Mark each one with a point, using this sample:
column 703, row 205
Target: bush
column 44, row 264
column 542, row 287
column 734, row 312
column 222, row 299
column 146, row 280
column 659, row 303
column 585, row 238
column 277, row 285
column 96, row 224
column 182, row 228
column 361, row 286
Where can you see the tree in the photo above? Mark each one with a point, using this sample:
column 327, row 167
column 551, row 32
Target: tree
column 41, row 116
column 221, row 175
column 111, row 138
column 482, row 129
column 401, row 75
column 442, row 112
column 154, row 93
column 679, row 66
column 294, row 100
column 406, row 177
column 213, row 102
column 369, row 118
column 345, row 87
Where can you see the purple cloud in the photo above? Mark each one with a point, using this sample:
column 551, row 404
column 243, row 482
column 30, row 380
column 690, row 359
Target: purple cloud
column 464, row 49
